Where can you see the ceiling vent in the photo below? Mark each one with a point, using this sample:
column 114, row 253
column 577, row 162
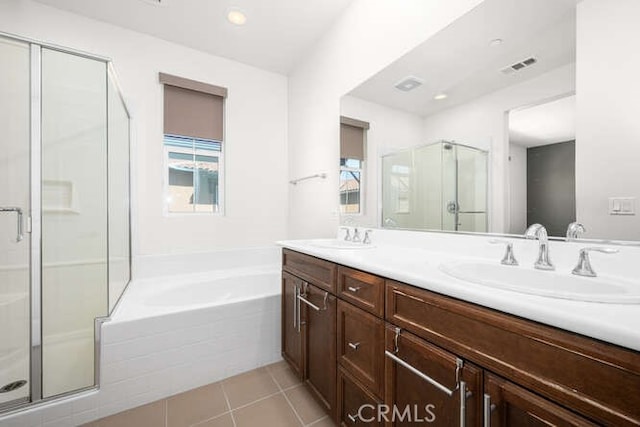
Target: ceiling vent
column 408, row 83
column 156, row 2
column 518, row 66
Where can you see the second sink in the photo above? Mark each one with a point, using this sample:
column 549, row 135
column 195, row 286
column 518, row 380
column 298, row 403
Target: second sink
column 545, row 283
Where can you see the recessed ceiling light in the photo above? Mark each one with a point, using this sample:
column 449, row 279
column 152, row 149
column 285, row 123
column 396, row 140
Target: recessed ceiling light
column 440, row 96
column 495, row 42
column 236, row 17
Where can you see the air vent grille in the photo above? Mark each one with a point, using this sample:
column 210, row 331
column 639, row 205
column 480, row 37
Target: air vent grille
column 519, row 65
column 408, row 83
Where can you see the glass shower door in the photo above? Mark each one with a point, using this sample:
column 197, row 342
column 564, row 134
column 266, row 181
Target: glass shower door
column 14, row 208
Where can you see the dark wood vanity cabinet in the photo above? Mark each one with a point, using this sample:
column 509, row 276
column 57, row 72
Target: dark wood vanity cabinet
column 309, row 324
column 319, row 322
column 291, row 328
column 506, row 404
column 433, row 357
column 428, row 384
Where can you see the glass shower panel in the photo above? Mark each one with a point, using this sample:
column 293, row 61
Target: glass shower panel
column 428, row 166
column 74, row 217
column 472, row 189
column 14, row 207
column 118, row 153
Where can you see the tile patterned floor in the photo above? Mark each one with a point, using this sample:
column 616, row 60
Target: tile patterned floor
column 271, row 396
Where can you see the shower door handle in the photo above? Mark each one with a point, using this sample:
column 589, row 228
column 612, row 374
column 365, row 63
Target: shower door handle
column 19, row 233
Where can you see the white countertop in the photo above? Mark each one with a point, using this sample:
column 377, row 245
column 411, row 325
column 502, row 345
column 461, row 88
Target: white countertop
column 414, row 258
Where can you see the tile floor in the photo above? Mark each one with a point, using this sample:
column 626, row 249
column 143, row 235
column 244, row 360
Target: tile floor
column 267, row 397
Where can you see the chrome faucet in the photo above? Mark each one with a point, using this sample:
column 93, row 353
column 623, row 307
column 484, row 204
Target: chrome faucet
column 574, row 230
column 356, row 235
column 584, row 263
column 509, row 257
column 347, row 236
column 537, row 231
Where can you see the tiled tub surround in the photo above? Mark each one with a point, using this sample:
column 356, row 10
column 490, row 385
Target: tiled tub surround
column 152, row 352
column 414, row 258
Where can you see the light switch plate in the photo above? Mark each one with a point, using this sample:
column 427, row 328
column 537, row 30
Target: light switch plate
column 622, row 206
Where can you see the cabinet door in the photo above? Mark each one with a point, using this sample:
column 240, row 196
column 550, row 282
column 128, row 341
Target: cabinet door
column 423, row 381
column 291, row 327
column 508, row 405
column 319, row 319
column 356, row 404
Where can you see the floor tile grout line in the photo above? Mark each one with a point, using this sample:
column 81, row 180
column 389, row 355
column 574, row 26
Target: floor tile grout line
column 210, row 419
column 226, row 398
column 293, row 408
column 317, row 421
column 286, row 398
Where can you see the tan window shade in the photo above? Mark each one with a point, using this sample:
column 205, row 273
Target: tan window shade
column 352, row 138
column 192, row 108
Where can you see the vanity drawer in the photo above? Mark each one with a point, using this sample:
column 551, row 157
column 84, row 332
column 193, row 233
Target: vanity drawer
column 595, row 379
column 361, row 289
column 314, row 270
column 361, row 346
column 352, row 396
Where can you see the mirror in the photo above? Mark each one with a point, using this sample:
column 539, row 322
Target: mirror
column 519, row 112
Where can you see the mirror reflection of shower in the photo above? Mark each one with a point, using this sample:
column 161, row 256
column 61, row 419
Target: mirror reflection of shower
column 440, row 186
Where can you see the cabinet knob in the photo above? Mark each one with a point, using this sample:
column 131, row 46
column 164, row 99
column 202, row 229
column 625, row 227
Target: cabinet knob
column 354, row 345
column 353, row 289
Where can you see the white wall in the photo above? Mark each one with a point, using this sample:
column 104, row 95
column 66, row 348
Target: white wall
column 518, row 189
column 368, row 36
column 608, row 129
column 484, row 123
column 256, row 130
column 389, row 130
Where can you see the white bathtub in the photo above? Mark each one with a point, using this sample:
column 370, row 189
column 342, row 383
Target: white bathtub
column 174, row 333
column 160, row 296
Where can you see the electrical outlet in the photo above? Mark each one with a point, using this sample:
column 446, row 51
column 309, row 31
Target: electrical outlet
column 622, row 206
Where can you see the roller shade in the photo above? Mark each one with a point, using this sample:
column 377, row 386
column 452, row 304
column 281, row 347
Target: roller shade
column 352, row 133
column 193, row 108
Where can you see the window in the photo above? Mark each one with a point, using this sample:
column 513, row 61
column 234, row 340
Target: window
column 193, row 145
column 352, row 149
column 194, row 172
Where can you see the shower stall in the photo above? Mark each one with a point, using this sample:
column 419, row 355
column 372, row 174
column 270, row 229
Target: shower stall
column 64, row 217
column 440, row 186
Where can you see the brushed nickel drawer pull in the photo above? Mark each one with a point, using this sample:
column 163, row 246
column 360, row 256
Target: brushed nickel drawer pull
column 446, row 390
column 353, row 418
column 353, row 289
column 354, row 345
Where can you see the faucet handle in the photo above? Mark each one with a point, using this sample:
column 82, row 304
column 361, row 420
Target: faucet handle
column 574, row 230
column 584, row 262
column 347, row 236
column 356, row 235
column 367, row 237
column 509, row 257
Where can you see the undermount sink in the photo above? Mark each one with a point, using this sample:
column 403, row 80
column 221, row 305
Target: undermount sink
column 546, row 283
column 338, row 244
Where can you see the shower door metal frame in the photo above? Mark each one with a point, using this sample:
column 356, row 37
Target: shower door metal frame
column 34, row 227
column 34, row 224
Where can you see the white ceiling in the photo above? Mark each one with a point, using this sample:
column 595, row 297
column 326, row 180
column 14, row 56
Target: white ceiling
column 460, row 61
column 276, row 35
column 543, row 124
